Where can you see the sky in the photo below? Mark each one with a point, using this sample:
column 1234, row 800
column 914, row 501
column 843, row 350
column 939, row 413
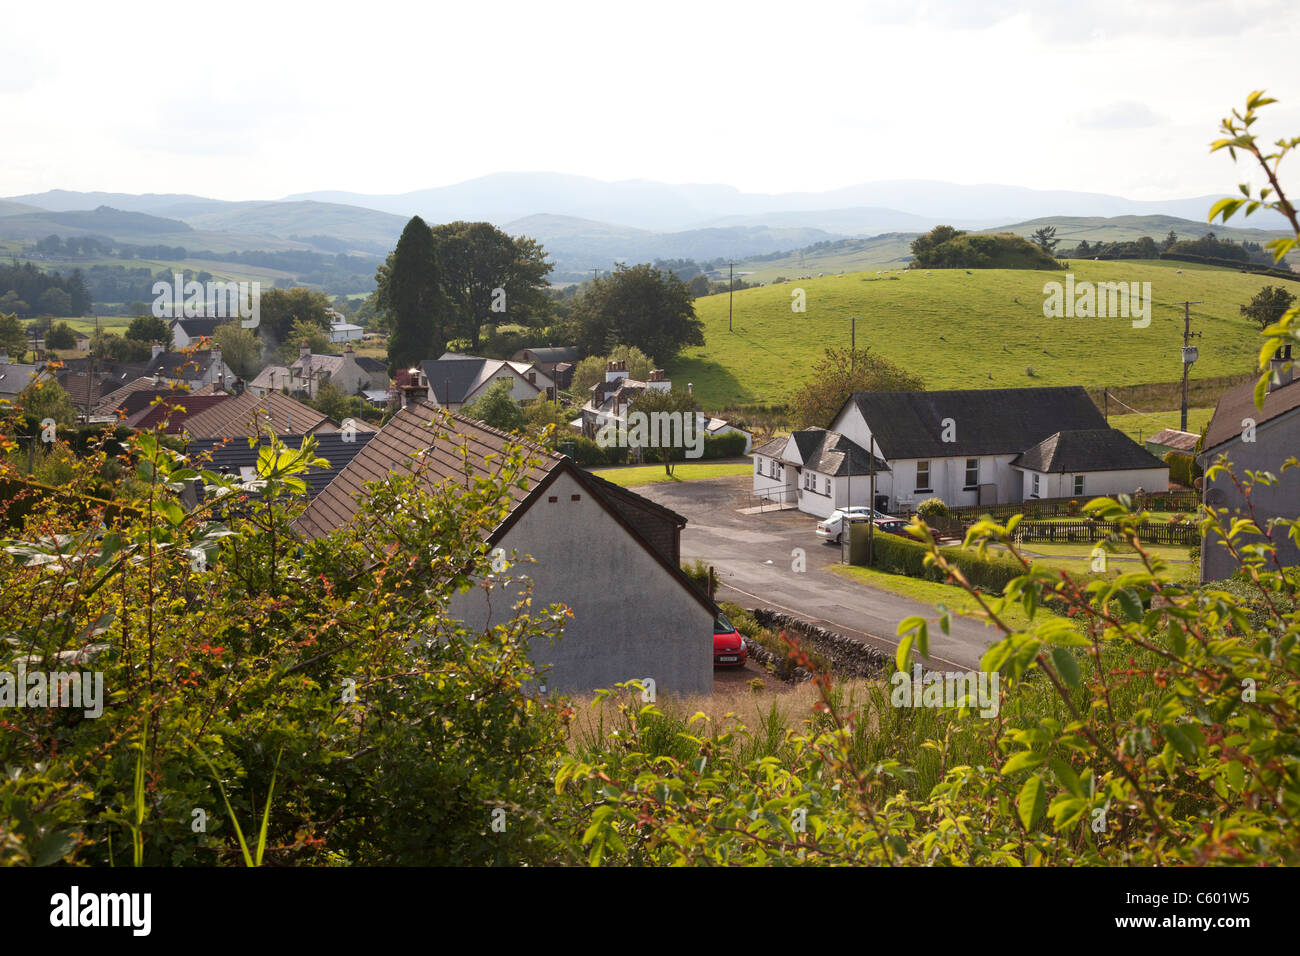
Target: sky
column 262, row 100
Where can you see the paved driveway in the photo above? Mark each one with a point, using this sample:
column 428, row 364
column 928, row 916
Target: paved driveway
column 751, row 554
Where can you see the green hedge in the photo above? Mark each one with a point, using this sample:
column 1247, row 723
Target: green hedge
column 1182, row 468
column 728, row 445
column 900, row 555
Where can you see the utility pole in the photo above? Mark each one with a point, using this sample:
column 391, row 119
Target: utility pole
column 853, row 343
column 731, row 290
column 1189, row 351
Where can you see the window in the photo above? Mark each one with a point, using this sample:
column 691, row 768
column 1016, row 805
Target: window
column 1078, row 484
column 923, row 476
column 758, row 465
column 1034, row 493
column 828, row 486
column 972, row 473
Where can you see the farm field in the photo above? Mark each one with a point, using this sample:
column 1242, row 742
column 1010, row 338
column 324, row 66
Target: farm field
column 1142, row 427
column 960, row 329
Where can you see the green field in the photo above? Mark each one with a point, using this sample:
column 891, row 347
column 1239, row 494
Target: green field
column 1142, row 427
column 978, row 329
column 634, row 475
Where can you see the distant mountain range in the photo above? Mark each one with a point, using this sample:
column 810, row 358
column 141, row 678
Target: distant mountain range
column 587, row 223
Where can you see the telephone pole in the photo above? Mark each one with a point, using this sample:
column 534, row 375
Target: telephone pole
column 731, row 290
column 1190, row 353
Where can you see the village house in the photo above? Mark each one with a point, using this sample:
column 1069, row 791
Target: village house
column 189, row 332
column 455, row 379
column 1254, row 439
column 245, row 415
column 195, row 369
column 966, row 447
column 611, row 556
column 611, row 399
column 555, row 363
column 349, row 373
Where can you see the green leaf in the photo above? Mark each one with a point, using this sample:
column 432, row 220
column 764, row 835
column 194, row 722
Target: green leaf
column 1032, row 801
column 1180, row 740
column 1067, row 777
column 1066, row 666
column 904, row 651
column 1131, row 604
column 1022, row 760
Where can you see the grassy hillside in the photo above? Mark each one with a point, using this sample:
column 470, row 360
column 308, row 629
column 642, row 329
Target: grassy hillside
column 889, row 251
column 979, row 329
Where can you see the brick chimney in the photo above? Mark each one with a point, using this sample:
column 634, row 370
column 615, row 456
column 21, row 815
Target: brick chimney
column 304, row 350
column 659, row 382
column 615, row 371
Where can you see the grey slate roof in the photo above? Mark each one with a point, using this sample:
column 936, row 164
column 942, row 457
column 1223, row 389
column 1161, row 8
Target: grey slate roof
column 235, row 454
column 1094, row 449
column 835, row 455
column 460, row 373
column 995, row 421
column 15, row 377
column 202, row 326
column 825, row 452
column 547, row 355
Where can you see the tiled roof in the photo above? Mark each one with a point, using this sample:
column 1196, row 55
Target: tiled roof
column 110, row 403
column 234, row 455
column 424, row 438
column 1239, row 403
column 1094, row 449
column 1173, row 438
column 175, row 409
column 244, row 416
column 995, row 421
column 419, row 435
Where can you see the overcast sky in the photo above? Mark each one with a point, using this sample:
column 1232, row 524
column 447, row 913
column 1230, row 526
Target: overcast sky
column 259, row 100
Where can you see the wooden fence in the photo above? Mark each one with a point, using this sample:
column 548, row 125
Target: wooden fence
column 1063, row 532
column 1187, row 501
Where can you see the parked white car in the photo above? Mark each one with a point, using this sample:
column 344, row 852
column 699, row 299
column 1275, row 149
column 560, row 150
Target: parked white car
column 832, row 527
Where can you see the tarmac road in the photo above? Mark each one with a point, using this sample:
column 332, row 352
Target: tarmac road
column 752, row 558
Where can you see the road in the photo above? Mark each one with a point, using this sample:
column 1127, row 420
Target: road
column 752, row 555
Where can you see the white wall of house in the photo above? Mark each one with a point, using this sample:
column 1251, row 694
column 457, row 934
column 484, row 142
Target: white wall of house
column 631, row 617
column 778, row 487
column 1095, row 483
column 817, row 493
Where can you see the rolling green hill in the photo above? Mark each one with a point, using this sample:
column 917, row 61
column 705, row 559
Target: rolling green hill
column 979, row 329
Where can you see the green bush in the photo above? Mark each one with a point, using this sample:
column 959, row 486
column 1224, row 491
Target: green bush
column 730, row 445
column 933, row 508
column 1182, row 468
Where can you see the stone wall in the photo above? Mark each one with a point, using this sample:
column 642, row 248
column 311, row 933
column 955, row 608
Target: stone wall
column 849, row 658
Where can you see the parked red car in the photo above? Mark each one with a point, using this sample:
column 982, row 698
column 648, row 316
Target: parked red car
column 728, row 645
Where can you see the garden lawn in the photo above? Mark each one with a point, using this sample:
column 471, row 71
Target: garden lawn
column 633, row 475
column 954, row 598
